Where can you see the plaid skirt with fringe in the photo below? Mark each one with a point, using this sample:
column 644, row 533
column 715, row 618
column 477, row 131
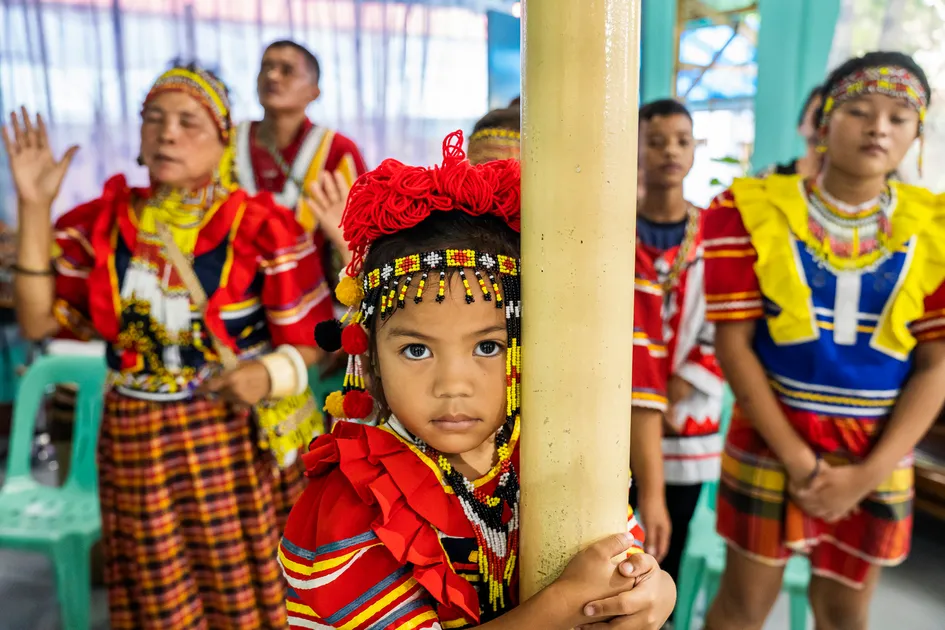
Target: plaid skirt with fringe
column 757, row 517
column 192, row 514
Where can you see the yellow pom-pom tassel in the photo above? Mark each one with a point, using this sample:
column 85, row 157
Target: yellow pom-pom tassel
column 349, row 291
column 335, row 405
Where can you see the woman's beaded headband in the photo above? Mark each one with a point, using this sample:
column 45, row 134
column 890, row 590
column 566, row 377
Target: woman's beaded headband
column 495, row 144
column 203, row 87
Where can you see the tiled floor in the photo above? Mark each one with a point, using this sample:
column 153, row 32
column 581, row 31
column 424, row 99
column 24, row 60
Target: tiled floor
column 909, row 597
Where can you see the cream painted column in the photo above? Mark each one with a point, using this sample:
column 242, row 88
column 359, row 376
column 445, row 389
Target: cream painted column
column 580, row 75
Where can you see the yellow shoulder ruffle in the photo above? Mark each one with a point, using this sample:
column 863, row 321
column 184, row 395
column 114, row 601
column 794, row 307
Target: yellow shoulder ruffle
column 920, row 218
column 774, row 208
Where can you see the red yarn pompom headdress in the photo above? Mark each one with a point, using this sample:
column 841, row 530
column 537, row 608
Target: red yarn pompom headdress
column 395, row 197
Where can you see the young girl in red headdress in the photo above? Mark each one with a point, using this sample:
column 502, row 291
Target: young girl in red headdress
column 415, row 523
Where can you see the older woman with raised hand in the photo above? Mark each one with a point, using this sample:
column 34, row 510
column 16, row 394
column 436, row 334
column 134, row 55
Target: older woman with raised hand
column 178, row 279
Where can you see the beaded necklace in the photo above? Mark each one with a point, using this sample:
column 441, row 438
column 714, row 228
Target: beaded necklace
column 494, row 519
column 185, row 210
column 848, row 240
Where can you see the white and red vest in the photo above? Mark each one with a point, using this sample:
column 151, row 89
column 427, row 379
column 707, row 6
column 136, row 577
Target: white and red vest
column 691, row 454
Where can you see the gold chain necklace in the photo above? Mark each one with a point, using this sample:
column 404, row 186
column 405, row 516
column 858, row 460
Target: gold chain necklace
column 682, row 255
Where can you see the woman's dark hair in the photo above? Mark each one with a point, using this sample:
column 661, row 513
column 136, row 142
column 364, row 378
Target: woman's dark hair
column 873, row 60
column 441, row 230
column 817, row 92
column 506, row 118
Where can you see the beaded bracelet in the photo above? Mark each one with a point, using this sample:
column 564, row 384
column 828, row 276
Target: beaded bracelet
column 813, row 475
column 30, row 272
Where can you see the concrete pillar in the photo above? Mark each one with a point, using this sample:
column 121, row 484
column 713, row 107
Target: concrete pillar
column 579, row 144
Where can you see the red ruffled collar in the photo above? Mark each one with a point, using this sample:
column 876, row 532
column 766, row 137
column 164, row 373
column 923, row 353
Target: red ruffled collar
column 404, row 487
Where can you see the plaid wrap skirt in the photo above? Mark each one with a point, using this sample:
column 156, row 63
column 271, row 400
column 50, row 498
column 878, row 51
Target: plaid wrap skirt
column 192, row 514
column 758, row 518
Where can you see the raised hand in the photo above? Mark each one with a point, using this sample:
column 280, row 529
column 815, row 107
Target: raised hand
column 36, row 172
column 327, row 198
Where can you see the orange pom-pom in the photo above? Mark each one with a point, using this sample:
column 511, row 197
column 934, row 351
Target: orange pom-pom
column 354, row 340
column 349, row 291
column 358, row 404
column 335, row 405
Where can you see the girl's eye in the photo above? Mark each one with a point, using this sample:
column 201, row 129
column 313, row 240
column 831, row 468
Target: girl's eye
column 488, row 349
column 416, row 352
column 859, row 113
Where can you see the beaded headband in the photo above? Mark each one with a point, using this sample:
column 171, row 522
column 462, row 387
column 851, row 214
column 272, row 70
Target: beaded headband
column 494, row 144
column 203, row 87
column 893, row 81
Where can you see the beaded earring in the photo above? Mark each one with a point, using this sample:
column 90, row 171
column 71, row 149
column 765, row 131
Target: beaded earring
column 822, row 139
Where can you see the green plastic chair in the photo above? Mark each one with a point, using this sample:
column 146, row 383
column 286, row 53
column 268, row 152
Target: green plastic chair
column 62, row 522
column 15, row 352
column 703, row 560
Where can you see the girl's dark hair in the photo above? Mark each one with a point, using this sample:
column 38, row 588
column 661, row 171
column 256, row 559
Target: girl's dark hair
column 441, row 230
column 817, row 92
column 873, row 60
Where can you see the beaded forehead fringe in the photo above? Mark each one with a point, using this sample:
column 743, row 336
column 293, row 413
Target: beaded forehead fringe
column 380, row 292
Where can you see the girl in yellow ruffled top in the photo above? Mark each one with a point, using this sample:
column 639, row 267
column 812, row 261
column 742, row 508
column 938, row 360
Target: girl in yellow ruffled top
column 827, row 293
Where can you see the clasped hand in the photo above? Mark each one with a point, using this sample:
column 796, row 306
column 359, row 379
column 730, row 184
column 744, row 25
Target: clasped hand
column 245, row 385
column 834, row 493
column 634, row 595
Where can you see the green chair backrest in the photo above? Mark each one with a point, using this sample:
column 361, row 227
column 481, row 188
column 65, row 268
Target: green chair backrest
column 89, row 374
